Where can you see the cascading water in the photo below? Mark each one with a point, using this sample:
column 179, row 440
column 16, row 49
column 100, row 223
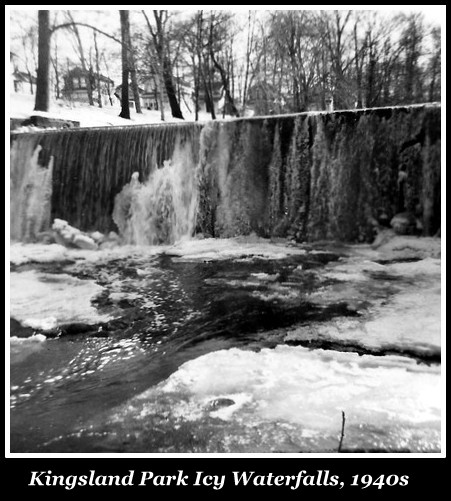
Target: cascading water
column 91, row 166
column 307, row 176
column 162, row 209
column 321, row 175
column 31, row 191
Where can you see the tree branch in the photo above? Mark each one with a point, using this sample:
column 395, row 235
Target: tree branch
column 74, row 24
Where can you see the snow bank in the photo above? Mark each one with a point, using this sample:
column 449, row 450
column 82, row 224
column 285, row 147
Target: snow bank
column 210, row 249
column 293, row 394
column 214, row 249
column 37, row 253
column 410, row 321
column 45, row 301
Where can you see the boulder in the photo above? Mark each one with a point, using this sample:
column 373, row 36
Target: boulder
column 97, row 236
column 67, row 235
column 84, row 242
column 404, row 223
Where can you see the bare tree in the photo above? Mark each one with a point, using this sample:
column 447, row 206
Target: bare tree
column 132, row 68
column 98, row 83
column 411, row 42
column 125, row 31
column 81, row 56
column 434, row 66
column 108, row 78
column 42, row 100
column 28, row 39
column 56, row 70
column 161, row 45
column 217, row 26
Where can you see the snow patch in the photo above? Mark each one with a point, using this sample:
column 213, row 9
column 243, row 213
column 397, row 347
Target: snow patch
column 43, row 300
column 299, row 390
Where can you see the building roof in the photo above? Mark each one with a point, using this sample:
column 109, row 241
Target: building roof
column 80, row 72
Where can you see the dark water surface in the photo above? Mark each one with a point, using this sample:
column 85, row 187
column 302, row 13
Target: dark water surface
column 176, row 311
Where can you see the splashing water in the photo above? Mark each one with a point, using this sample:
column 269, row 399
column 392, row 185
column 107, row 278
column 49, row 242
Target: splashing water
column 161, row 210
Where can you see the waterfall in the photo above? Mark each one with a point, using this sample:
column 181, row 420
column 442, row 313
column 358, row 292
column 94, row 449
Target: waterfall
column 30, row 193
column 91, row 166
column 162, row 209
column 315, row 176
column 308, row 176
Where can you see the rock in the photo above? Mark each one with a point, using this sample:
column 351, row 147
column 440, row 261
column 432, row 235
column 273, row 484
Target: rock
column 62, row 239
column 18, row 330
column 97, row 236
column 383, row 237
column 63, row 232
column 404, row 223
column 112, row 235
column 218, row 403
column 67, row 235
column 84, row 242
column 59, row 224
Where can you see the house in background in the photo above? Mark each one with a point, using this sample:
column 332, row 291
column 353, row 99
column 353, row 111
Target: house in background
column 76, row 87
column 21, row 82
column 148, row 94
column 131, row 98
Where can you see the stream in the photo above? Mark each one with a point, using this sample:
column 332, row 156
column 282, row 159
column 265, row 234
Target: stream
column 115, row 384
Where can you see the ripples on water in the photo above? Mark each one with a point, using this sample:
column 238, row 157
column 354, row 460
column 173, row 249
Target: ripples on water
column 170, row 311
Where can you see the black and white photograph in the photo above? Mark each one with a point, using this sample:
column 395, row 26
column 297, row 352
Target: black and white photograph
column 224, row 233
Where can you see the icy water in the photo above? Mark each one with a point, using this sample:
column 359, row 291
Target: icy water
column 202, row 355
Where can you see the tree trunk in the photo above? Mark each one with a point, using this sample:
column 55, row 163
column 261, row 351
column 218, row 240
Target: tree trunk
column 135, row 88
column 196, row 88
column 134, row 81
column 108, row 79
column 170, row 90
column 158, row 79
column 358, row 70
column 87, row 72
column 42, row 101
column 30, row 80
column 225, row 84
column 125, row 105
column 99, row 93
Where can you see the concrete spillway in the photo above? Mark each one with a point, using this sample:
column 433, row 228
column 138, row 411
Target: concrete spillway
column 310, row 176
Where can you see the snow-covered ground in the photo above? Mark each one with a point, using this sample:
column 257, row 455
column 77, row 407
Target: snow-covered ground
column 22, row 106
